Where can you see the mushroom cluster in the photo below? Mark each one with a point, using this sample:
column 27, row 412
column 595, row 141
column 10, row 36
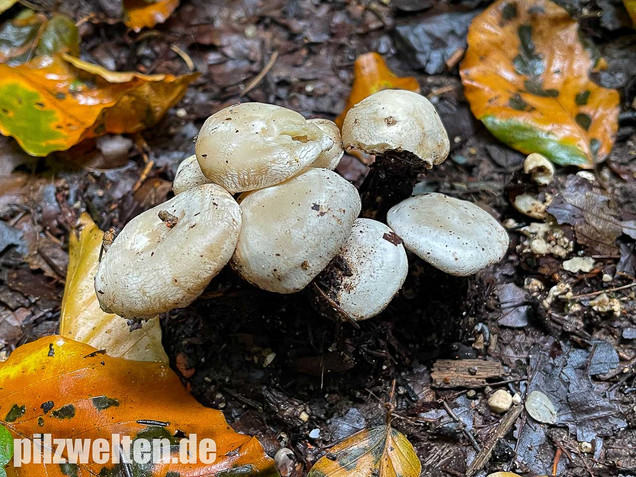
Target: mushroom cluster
column 261, row 195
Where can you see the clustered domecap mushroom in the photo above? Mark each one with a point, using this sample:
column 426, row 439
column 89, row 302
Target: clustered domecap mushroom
column 282, row 164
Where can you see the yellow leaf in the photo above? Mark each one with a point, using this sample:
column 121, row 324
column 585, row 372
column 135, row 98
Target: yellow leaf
column 69, row 390
column 81, row 317
column 371, row 74
column 142, row 13
column 6, row 4
column 526, row 77
column 380, row 451
column 630, row 6
column 54, row 102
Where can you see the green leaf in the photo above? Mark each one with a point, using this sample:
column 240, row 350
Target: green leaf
column 6, row 448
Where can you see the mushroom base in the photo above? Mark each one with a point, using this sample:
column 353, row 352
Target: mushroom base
column 391, row 179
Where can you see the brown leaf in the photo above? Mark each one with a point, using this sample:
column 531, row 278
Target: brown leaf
column 142, row 13
column 526, row 77
column 588, row 210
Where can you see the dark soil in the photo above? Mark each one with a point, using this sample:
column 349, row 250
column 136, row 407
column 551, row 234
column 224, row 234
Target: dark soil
column 272, row 363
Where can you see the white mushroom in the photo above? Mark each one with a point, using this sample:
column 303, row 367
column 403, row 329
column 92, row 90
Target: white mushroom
column 254, row 145
column 329, row 158
column 166, row 256
column 292, row 231
column 367, row 273
column 188, row 175
column 396, row 120
column 453, row 235
column 540, row 167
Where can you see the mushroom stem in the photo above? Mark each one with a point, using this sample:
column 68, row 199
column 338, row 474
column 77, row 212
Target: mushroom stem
column 391, row 179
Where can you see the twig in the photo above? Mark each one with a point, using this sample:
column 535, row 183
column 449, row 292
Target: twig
column 598, row 292
column 462, row 426
column 184, row 56
column 502, row 429
column 259, row 77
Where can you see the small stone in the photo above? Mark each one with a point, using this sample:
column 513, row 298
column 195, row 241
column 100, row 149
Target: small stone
column 314, row 434
column 500, row 401
column 516, row 399
column 579, row 264
column 533, row 285
column 541, row 408
column 587, row 175
column 471, row 394
column 539, row 247
column 586, row 447
column 304, row 416
column 181, row 113
column 607, row 278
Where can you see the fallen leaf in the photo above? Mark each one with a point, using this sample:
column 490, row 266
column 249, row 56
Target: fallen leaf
column 541, row 408
column 32, row 34
column 526, row 77
column 630, row 6
column 6, row 4
column 143, row 13
column 54, row 102
column 6, row 449
column 371, row 74
column 588, row 210
column 380, row 451
column 81, row 317
column 65, row 388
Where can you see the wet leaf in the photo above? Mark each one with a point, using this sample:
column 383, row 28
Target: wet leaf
column 81, row 317
column 380, row 451
column 526, row 77
column 6, row 4
column 32, row 34
column 143, row 13
column 541, row 408
column 6, row 448
column 371, row 74
column 67, row 389
column 588, row 210
column 630, row 6
column 53, row 103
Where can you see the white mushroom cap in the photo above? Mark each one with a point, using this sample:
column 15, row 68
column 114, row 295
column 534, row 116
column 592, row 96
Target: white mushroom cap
column 367, row 272
column 396, row 120
column 453, row 235
column 158, row 264
column 292, row 231
column 188, row 175
column 254, row 145
column 540, row 167
column 329, row 158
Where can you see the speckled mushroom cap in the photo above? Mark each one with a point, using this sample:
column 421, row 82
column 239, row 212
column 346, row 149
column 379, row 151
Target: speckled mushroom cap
column 188, row 175
column 292, row 231
column 249, row 146
column 166, row 256
column 453, row 235
column 367, row 272
column 396, row 120
column 329, row 158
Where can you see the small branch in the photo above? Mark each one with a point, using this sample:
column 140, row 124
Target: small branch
column 598, row 292
column 466, row 432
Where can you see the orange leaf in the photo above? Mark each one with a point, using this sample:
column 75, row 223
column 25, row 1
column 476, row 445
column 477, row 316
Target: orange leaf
column 371, row 74
column 68, row 389
column 526, row 77
column 380, row 451
column 142, row 13
column 53, row 103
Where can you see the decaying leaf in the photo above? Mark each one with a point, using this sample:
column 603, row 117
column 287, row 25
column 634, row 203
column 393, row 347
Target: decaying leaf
column 371, row 74
column 32, row 34
column 142, row 13
column 526, row 76
column 54, row 102
column 589, row 211
column 81, row 317
column 6, row 4
column 67, row 389
column 380, row 451
column 630, row 6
